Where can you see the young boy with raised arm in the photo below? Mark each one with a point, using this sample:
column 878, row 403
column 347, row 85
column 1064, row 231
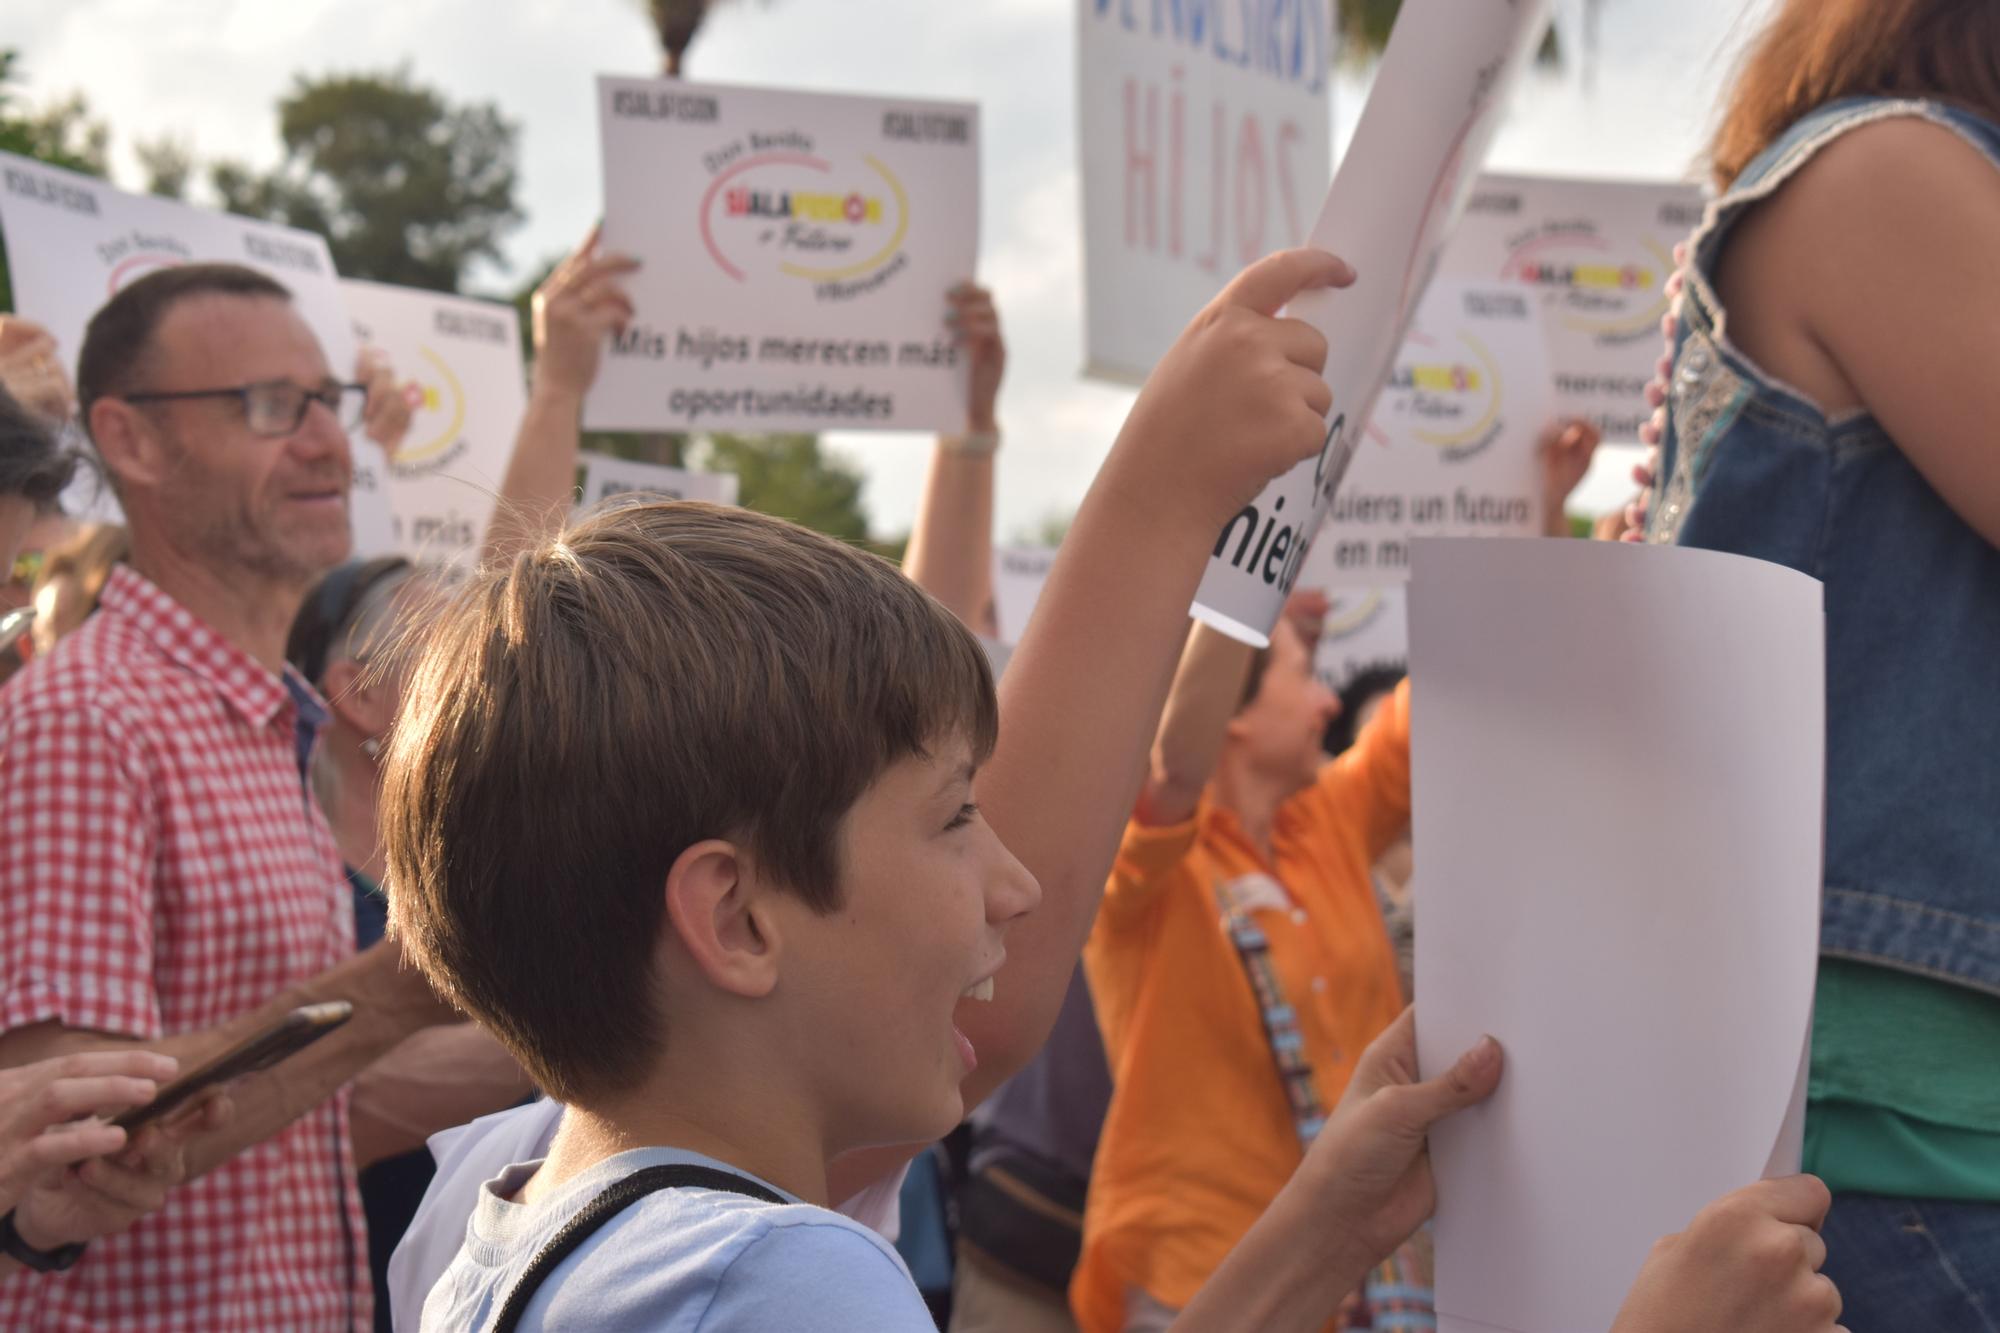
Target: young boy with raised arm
column 682, row 807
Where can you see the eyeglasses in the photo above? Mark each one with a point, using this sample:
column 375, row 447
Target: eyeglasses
column 278, row 407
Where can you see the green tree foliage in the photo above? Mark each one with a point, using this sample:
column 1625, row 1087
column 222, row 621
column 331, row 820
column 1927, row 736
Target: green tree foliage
column 406, row 187
column 63, row 133
column 1364, row 27
column 168, row 163
column 789, row 476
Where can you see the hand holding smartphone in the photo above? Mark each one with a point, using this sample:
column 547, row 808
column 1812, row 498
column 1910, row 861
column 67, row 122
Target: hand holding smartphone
column 14, row 625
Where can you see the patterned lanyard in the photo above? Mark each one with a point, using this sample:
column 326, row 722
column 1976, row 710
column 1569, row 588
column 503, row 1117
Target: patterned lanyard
column 1280, row 1019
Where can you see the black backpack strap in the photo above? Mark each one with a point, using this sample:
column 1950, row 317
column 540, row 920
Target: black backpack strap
column 600, row 1210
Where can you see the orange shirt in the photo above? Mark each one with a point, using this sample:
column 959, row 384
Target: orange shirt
column 1200, row 1136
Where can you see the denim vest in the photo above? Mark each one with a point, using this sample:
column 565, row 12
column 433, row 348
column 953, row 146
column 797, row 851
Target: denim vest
column 1912, row 605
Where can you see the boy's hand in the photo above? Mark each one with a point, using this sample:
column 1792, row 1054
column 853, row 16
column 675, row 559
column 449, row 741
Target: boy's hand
column 1238, row 398
column 1371, row 1165
column 106, row 1195
column 1750, row 1260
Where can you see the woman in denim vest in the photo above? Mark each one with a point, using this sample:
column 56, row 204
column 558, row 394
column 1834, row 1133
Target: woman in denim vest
column 1834, row 405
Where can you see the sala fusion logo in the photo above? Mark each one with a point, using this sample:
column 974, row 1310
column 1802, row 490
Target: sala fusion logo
column 437, row 419
column 1452, row 405
column 1610, row 296
column 794, row 214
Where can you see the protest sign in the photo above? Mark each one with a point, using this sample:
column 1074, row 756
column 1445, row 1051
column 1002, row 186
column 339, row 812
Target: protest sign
column 1365, row 627
column 1618, row 768
column 1203, row 145
column 73, row 242
column 1451, row 448
column 1447, row 70
column 797, row 249
column 1597, row 254
column 605, row 476
column 470, row 389
column 1018, row 575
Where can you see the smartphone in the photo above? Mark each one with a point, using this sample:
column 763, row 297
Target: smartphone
column 283, row 1039
column 15, row 624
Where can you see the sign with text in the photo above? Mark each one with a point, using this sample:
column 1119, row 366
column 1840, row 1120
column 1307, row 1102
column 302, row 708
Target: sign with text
column 1421, row 138
column 469, row 390
column 1365, row 628
column 1596, row 254
column 797, row 249
column 605, row 476
column 1019, row 572
column 1451, row 448
column 73, row 242
column 1204, row 143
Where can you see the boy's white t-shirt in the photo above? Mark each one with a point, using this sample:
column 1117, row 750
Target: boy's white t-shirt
column 676, row 1261
column 470, row 1155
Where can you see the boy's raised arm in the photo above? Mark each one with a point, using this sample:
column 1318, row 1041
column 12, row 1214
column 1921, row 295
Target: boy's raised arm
column 1236, row 400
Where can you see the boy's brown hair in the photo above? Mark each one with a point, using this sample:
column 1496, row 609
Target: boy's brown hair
column 662, row 674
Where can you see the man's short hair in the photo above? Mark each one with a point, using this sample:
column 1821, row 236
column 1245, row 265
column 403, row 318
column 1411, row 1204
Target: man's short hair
column 121, row 333
column 662, row 674
column 33, row 463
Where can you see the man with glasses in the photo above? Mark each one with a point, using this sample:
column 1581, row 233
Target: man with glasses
column 165, row 875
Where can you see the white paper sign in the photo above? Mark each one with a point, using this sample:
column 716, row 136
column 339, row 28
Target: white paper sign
column 1451, row 448
column 605, row 476
column 797, row 250
column 74, row 241
column 471, row 390
column 1203, row 141
column 1618, row 761
column 1597, row 252
column 1436, row 99
column 1019, row 573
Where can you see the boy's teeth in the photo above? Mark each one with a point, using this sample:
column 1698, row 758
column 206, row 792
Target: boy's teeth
column 982, row 991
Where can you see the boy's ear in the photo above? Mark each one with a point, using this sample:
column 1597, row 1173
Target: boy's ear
column 719, row 915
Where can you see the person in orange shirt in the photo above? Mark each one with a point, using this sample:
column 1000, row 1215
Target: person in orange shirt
column 1238, row 963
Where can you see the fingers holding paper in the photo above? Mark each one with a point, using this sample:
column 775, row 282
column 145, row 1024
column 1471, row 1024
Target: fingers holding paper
column 1371, row 1158
column 1751, row 1259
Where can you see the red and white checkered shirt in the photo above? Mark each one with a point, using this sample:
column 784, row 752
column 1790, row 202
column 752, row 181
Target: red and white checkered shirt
column 163, row 869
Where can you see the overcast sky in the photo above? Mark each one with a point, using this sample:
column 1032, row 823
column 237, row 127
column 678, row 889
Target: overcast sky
column 210, row 72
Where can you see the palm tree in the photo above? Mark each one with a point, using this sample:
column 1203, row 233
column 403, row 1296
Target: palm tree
column 677, row 22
